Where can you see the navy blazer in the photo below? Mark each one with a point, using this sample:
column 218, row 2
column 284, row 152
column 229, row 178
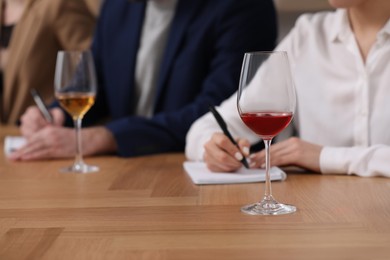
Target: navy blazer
column 201, row 66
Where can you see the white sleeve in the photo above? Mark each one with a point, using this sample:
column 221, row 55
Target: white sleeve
column 362, row 161
column 203, row 128
column 199, row 133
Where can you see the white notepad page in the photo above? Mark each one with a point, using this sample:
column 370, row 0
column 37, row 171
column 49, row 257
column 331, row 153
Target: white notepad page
column 200, row 174
column 12, row 143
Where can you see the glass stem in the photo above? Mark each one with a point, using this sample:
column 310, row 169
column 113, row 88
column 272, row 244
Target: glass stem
column 79, row 152
column 268, row 189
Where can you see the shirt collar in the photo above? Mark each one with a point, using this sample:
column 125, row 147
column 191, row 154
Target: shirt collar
column 384, row 33
column 341, row 28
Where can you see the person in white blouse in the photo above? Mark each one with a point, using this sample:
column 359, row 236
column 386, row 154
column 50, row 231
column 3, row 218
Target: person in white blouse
column 340, row 63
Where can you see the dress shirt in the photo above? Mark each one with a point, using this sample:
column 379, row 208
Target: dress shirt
column 342, row 101
column 158, row 18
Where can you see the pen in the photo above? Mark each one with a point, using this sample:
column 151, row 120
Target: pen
column 42, row 107
column 225, row 130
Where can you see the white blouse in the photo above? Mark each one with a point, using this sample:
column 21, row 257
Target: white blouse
column 342, row 102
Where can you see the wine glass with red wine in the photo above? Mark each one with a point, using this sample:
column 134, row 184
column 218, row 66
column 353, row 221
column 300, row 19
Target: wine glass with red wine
column 266, row 103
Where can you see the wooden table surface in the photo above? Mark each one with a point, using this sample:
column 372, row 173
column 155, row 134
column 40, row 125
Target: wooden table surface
column 148, row 208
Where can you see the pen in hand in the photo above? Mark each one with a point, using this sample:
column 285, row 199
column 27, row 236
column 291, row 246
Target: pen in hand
column 42, row 107
column 225, row 130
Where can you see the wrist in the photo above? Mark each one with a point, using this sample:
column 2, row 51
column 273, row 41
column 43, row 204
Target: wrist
column 98, row 140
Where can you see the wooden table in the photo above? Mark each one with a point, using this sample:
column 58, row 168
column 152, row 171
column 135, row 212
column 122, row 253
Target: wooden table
column 148, row 208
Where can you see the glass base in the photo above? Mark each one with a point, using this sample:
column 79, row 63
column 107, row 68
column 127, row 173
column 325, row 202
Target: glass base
column 268, row 207
column 80, row 168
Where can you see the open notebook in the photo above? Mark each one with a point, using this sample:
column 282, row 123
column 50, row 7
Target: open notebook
column 200, row 174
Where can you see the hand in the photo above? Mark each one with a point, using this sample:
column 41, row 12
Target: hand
column 32, row 120
column 293, row 151
column 221, row 155
column 47, row 143
column 60, row 142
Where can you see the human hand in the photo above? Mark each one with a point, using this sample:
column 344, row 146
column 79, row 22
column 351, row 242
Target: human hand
column 32, row 120
column 293, row 151
column 60, row 142
column 221, row 155
column 48, row 142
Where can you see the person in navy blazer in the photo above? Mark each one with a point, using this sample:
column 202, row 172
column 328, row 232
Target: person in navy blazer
column 200, row 67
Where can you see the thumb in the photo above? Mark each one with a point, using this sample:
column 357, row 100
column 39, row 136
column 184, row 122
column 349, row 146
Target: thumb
column 244, row 146
column 58, row 116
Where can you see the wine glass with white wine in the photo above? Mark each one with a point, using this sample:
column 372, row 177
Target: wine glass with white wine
column 75, row 87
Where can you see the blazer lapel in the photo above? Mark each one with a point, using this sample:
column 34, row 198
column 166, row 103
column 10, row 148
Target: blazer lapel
column 185, row 10
column 134, row 27
column 128, row 42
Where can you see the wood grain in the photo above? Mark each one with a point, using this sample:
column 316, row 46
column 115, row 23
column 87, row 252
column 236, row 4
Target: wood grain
column 148, row 208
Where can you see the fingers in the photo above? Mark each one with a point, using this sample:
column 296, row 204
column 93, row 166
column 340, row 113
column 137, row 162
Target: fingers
column 58, row 116
column 281, row 154
column 292, row 151
column 31, row 151
column 221, row 154
column 256, row 160
column 31, row 121
column 244, row 146
column 214, row 165
column 50, row 142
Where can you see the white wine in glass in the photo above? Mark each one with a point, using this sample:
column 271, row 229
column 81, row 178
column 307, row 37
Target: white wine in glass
column 75, row 89
column 266, row 103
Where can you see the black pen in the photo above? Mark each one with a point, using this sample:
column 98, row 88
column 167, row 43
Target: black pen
column 42, row 107
column 225, row 130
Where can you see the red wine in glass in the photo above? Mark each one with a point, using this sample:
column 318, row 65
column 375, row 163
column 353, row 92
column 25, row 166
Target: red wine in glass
column 266, row 103
column 267, row 124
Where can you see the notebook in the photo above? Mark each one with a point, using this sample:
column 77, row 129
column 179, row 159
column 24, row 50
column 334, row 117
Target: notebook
column 12, row 143
column 200, row 174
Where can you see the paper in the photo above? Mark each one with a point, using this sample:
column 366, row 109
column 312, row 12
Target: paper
column 13, row 143
column 200, row 174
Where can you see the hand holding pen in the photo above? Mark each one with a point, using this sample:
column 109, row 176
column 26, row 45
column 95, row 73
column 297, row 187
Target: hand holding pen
column 41, row 106
column 225, row 130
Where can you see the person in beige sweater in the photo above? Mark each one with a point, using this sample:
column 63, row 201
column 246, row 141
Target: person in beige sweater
column 31, row 34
